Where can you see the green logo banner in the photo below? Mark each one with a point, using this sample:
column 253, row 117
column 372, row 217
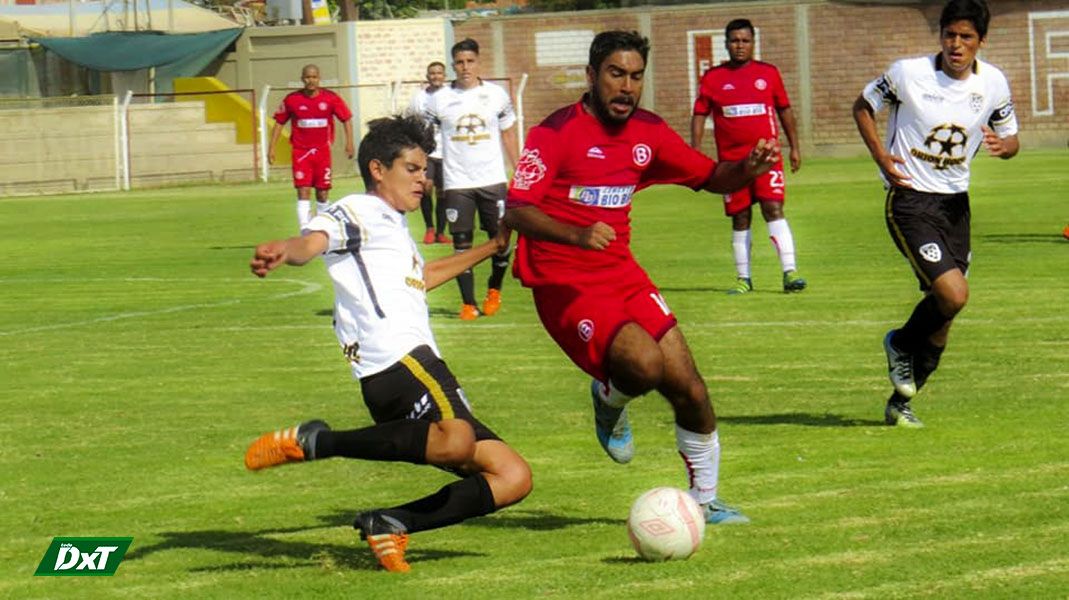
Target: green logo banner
column 84, row 556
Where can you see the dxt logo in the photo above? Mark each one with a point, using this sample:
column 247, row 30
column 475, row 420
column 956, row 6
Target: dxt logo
column 84, row 556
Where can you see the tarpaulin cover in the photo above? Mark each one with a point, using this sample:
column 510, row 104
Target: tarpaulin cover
column 180, row 55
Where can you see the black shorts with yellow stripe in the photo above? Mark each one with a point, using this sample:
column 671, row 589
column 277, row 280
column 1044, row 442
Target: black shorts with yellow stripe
column 419, row 386
column 930, row 230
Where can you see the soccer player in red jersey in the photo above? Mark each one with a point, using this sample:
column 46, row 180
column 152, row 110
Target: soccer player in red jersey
column 570, row 201
column 311, row 112
column 742, row 95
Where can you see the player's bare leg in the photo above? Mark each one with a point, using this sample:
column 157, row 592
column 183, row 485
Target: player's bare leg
column 696, row 435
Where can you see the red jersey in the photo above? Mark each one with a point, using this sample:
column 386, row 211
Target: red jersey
column 743, row 101
column 313, row 117
column 579, row 172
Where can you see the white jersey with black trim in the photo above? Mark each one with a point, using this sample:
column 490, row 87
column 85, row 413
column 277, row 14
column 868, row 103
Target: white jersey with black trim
column 380, row 303
column 418, row 106
column 935, row 120
column 471, row 122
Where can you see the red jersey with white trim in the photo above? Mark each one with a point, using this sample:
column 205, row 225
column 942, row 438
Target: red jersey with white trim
column 743, row 101
column 312, row 117
column 579, row 171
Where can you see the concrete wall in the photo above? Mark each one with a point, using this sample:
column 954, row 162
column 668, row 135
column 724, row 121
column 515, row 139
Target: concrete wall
column 827, row 51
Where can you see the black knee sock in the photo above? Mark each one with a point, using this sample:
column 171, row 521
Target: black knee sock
column 426, row 207
column 466, row 281
column 439, row 214
column 925, row 320
column 404, row 441
column 461, row 500
column 925, row 363
column 500, row 266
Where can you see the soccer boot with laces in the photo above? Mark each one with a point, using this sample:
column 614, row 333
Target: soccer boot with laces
column 743, row 285
column 900, row 414
column 612, row 428
column 469, row 312
column 793, row 282
column 718, row 513
column 387, row 538
column 899, row 368
column 292, row 444
column 492, row 303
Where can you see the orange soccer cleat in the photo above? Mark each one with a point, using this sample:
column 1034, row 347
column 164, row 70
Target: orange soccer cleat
column 492, row 304
column 468, row 312
column 428, row 237
column 442, row 238
column 293, row 444
column 387, row 538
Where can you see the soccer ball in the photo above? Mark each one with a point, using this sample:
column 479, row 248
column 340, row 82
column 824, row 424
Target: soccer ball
column 665, row 524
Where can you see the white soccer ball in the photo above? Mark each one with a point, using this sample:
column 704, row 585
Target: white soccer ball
column 666, row 524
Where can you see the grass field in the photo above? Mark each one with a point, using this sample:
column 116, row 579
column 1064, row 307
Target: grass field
column 140, row 357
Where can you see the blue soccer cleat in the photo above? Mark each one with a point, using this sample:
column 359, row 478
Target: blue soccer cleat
column 718, row 513
column 613, row 428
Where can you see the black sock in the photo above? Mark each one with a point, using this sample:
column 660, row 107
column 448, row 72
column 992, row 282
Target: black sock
column 925, row 320
column 499, row 266
column 925, row 363
column 461, row 500
column 426, row 207
column 439, row 214
column 466, row 281
column 404, row 440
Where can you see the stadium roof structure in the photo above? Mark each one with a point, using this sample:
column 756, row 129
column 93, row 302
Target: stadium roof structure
column 79, row 19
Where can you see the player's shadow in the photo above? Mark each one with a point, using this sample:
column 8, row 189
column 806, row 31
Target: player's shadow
column 444, row 312
column 325, row 312
column 539, row 520
column 797, row 418
column 1022, row 238
column 296, row 553
column 243, row 247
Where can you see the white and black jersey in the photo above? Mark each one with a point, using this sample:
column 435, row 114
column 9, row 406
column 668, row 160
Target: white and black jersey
column 418, row 106
column 380, row 301
column 935, row 120
column 471, row 122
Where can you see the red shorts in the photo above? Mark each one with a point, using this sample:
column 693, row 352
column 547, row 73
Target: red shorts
column 311, row 167
column 584, row 319
column 769, row 187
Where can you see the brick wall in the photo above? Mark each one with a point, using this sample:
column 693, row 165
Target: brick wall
column 840, row 46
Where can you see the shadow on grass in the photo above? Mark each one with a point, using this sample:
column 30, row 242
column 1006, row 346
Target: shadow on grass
column 1022, row 238
column 809, row 420
column 264, row 544
column 326, row 312
column 538, row 520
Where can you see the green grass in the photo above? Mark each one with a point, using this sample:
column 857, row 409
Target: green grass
column 139, row 357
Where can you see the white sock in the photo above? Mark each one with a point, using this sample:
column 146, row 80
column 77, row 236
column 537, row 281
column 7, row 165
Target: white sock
column 780, row 234
column 612, row 396
column 304, row 212
column 740, row 244
column 321, row 207
column 701, row 455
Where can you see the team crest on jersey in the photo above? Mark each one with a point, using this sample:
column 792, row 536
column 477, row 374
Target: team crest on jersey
column 976, row 102
column 529, row 170
column 760, row 84
column 641, row 154
column 322, row 106
column 586, row 330
column 931, row 252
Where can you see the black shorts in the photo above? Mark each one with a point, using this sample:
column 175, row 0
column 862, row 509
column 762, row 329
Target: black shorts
column 461, row 205
column 434, row 173
column 419, row 386
column 930, row 230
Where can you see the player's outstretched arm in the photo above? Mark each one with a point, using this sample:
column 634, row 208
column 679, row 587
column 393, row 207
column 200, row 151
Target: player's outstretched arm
column 441, row 270
column 731, row 175
column 535, row 224
column 294, row 251
column 866, row 126
column 1003, row 148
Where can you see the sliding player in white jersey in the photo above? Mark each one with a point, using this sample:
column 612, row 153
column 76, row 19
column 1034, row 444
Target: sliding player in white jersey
column 477, row 123
column 943, row 108
column 382, row 323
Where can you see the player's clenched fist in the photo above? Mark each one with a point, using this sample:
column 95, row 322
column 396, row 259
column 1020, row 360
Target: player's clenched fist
column 763, row 157
column 267, row 257
column 596, row 237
